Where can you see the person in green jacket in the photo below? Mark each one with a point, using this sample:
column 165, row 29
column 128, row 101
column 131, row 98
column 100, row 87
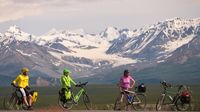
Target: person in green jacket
column 66, row 81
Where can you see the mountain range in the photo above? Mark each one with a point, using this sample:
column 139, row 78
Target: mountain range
column 167, row 50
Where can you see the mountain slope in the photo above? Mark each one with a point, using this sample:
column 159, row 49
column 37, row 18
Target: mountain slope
column 172, row 45
column 158, row 41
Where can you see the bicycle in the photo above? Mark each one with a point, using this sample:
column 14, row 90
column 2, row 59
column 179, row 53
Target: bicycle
column 174, row 101
column 15, row 101
column 68, row 104
column 138, row 101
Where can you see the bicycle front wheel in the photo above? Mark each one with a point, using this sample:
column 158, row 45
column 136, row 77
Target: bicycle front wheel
column 160, row 102
column 10, row 102
column 139, row 102
column 117, row 105
column 87, row 101
column 121, row 103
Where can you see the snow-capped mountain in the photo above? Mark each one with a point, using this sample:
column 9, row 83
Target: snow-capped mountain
column 48, row 54
column 88, row 55
column 158, row 41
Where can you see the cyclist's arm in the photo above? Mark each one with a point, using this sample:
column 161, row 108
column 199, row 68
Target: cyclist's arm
column 16, row 80
column 133, row 82
column 72, row 81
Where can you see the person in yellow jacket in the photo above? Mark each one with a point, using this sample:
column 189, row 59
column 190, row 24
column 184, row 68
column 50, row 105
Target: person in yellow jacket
column 22, row 81
column 66, row 81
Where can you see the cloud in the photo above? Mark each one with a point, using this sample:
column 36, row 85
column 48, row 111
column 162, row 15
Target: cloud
column 9, row 10
column 17, row 9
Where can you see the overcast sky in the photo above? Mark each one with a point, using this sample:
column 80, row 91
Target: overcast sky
column 39, row 16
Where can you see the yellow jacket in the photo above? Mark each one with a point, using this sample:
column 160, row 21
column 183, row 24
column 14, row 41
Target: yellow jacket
column 22, row 80
column 66, row 81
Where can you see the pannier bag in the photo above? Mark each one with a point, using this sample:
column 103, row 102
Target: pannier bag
column 34, row 96
column 141, row 88
column 185, row 97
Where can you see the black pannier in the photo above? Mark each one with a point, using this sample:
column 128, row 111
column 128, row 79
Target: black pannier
column 185, row 97
column 141, row 88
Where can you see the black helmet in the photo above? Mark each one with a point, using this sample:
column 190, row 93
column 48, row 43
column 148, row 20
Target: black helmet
column 126, row 71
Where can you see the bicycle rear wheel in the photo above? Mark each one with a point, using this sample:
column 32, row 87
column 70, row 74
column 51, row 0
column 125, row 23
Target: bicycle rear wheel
column 160, row 102
column 65, row 105
column 87, row 101
column 10, row 102
column 139, row 101
column 181, row 106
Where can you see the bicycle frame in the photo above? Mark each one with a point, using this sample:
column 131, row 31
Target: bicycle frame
column 134, row 94
column 169, row 97
column 78, row 95
column 168, row 94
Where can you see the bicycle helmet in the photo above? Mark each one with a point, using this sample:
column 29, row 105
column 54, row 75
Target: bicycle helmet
column 66, row 70
column 25, row 70
column 126, row 71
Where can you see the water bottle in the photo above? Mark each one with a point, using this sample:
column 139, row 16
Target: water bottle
column 130, row 98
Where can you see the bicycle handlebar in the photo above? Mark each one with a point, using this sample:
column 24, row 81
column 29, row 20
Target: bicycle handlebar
column 81, row 84
column 166, row 85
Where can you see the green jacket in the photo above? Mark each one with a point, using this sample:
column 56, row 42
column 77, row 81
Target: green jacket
column 66, row 81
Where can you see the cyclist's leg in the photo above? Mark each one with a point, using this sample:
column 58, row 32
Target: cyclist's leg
column 121, row 95
column 67, row 93
column 29, row 94
column 24, row 96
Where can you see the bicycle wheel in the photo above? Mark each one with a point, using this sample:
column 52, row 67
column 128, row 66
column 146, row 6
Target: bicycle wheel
column 65, row 105
column 160, row 102
column 10, row 102
column 181, row 106
column 139, row 102
column 87, row 101
column 120, row 105
column 117, row 104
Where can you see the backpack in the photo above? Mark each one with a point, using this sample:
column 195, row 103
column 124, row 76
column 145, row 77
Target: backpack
column 185, row 97
column 141, row 88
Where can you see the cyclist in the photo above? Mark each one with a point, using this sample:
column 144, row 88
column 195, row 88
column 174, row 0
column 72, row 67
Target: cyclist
column 22, row 81
column 66, row 81
column 125, row 83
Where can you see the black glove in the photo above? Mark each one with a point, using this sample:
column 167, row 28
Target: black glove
column 77, row 85
column 13, row 84
column 27, row 87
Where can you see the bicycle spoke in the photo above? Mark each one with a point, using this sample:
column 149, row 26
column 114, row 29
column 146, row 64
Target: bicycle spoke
column 66, row 105
column 139, row 102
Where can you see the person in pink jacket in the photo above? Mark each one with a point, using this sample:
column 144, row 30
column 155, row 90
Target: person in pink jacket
column 126, row 82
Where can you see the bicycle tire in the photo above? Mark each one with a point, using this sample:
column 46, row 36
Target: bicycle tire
column 87, row 101
column 159, row 103
column 182, row 106
column 9, row 102
column 121, row 105
column 117, row 104
column 139, row 102
column 65, row 105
